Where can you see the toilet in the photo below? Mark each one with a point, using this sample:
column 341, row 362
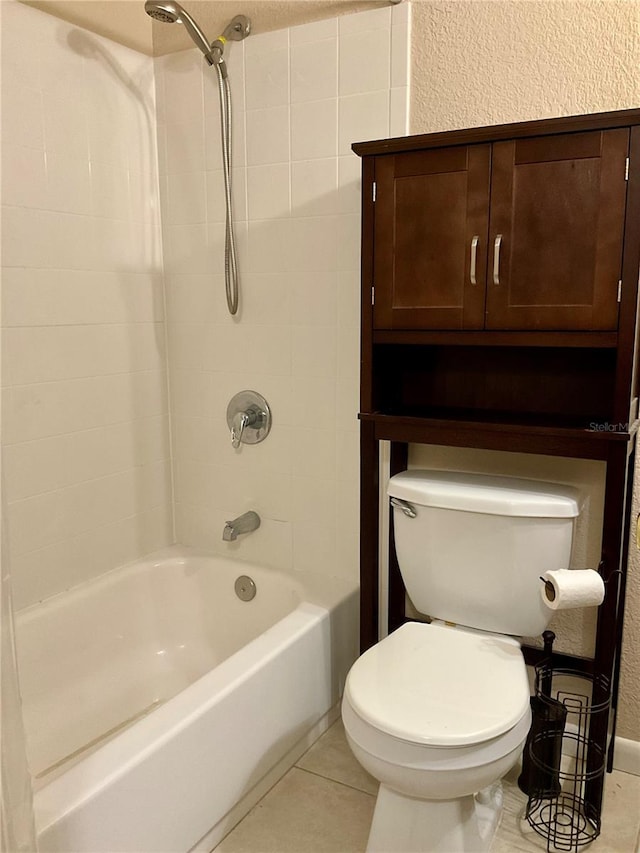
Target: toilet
column 439, row 711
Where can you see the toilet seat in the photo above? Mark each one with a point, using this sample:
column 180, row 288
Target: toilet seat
column 440, row 687
column 421, row 757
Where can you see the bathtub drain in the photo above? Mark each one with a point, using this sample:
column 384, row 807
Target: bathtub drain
column 245, row 588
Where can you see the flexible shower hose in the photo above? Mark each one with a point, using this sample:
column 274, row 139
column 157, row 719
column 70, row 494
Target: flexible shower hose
column 230, row 261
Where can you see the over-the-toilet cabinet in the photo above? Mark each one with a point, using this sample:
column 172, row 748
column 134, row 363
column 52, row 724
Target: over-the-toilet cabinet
column 499, row 311
column 516, row 234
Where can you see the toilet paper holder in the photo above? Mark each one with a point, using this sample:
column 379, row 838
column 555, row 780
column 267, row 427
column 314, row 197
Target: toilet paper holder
column 564, row 758
column 549, row 589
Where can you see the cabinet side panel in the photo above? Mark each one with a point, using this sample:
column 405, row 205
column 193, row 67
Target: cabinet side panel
column 628, row 333
column 366, row 284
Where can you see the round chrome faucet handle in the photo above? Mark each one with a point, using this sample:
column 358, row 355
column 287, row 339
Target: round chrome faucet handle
column 248, row 418
column 240, row 421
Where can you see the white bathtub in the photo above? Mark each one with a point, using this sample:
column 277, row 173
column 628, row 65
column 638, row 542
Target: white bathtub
column 159, row 706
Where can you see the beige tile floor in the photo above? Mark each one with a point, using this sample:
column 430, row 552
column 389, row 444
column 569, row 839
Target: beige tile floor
column 324, row 805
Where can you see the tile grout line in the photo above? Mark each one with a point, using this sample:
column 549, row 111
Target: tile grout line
column 334, row 781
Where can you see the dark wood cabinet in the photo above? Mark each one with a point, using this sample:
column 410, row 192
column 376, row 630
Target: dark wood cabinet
column 431, row 207
column 557, row 218
column 520, row 234
column 504, row 263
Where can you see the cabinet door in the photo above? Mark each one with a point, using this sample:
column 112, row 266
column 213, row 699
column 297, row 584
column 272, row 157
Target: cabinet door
column 431, row 222
column 557, row 217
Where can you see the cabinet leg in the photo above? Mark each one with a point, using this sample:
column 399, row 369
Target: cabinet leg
column 398, row 462
column 615, row 547
column 369, row 533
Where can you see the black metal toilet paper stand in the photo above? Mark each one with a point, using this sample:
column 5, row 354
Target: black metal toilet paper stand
column 563, row 756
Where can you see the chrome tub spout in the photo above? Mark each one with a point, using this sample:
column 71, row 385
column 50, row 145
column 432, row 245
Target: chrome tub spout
column 245, row 523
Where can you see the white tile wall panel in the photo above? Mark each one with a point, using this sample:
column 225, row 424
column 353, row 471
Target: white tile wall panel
column 22, row 114
column 268, row 193
column 268, row 135
column 365, row 59
column 361, row 117
column 85, row 416
column 314, row 129
column 66, row 564
column 314, row 298
column 185, row 147
column 313, row 187
column 268, row 301
column 296, row 335
column 24, row 176
column 400, row 55
column 267, row 78
column 317, row 31
column 47, row 297
column 373, row 19
column 314, row 70
column 398, row 110
column 43, row 465
column 216, row 210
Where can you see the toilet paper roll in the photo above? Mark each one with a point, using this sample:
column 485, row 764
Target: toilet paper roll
column 567, row 588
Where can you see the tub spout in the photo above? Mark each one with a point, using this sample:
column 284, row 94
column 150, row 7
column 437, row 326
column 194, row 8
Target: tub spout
column 243, row 524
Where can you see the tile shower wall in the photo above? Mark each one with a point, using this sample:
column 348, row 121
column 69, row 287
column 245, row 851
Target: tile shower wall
column 85, row 411
column 301, row 96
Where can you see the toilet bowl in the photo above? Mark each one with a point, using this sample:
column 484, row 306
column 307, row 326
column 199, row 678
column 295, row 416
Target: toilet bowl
column 437, row 714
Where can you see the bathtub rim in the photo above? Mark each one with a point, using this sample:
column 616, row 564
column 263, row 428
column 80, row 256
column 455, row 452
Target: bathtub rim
column 303, row 581
column 85, row 779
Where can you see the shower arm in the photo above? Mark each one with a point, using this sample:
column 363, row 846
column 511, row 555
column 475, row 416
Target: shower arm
column 236, row 30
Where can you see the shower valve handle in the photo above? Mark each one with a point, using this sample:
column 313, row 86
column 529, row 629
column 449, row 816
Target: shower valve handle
column 248, row 418
column 240, row 421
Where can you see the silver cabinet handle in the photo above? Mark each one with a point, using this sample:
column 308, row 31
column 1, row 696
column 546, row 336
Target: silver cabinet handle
column 474, row 253
column 496, row 259
column 404, row 506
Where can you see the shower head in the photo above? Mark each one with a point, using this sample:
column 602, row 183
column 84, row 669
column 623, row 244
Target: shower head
column 165, row 12
column 170, row 12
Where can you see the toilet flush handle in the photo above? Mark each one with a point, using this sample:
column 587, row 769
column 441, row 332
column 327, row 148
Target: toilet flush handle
column 405, row 506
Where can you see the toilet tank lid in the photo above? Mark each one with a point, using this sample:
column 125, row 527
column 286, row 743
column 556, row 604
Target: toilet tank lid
column 485, row 493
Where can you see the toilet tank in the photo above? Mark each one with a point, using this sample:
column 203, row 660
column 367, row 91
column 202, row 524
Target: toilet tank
column 475, row 549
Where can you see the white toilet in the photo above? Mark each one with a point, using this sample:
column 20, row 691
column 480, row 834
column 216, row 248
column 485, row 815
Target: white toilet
column 439, row 712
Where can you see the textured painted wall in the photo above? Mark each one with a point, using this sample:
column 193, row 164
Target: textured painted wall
column 628, row 722
column 478, row 62
column 482, row 62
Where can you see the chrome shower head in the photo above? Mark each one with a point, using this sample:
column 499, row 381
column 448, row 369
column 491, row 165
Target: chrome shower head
column 170, row 12
column 165, row 12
